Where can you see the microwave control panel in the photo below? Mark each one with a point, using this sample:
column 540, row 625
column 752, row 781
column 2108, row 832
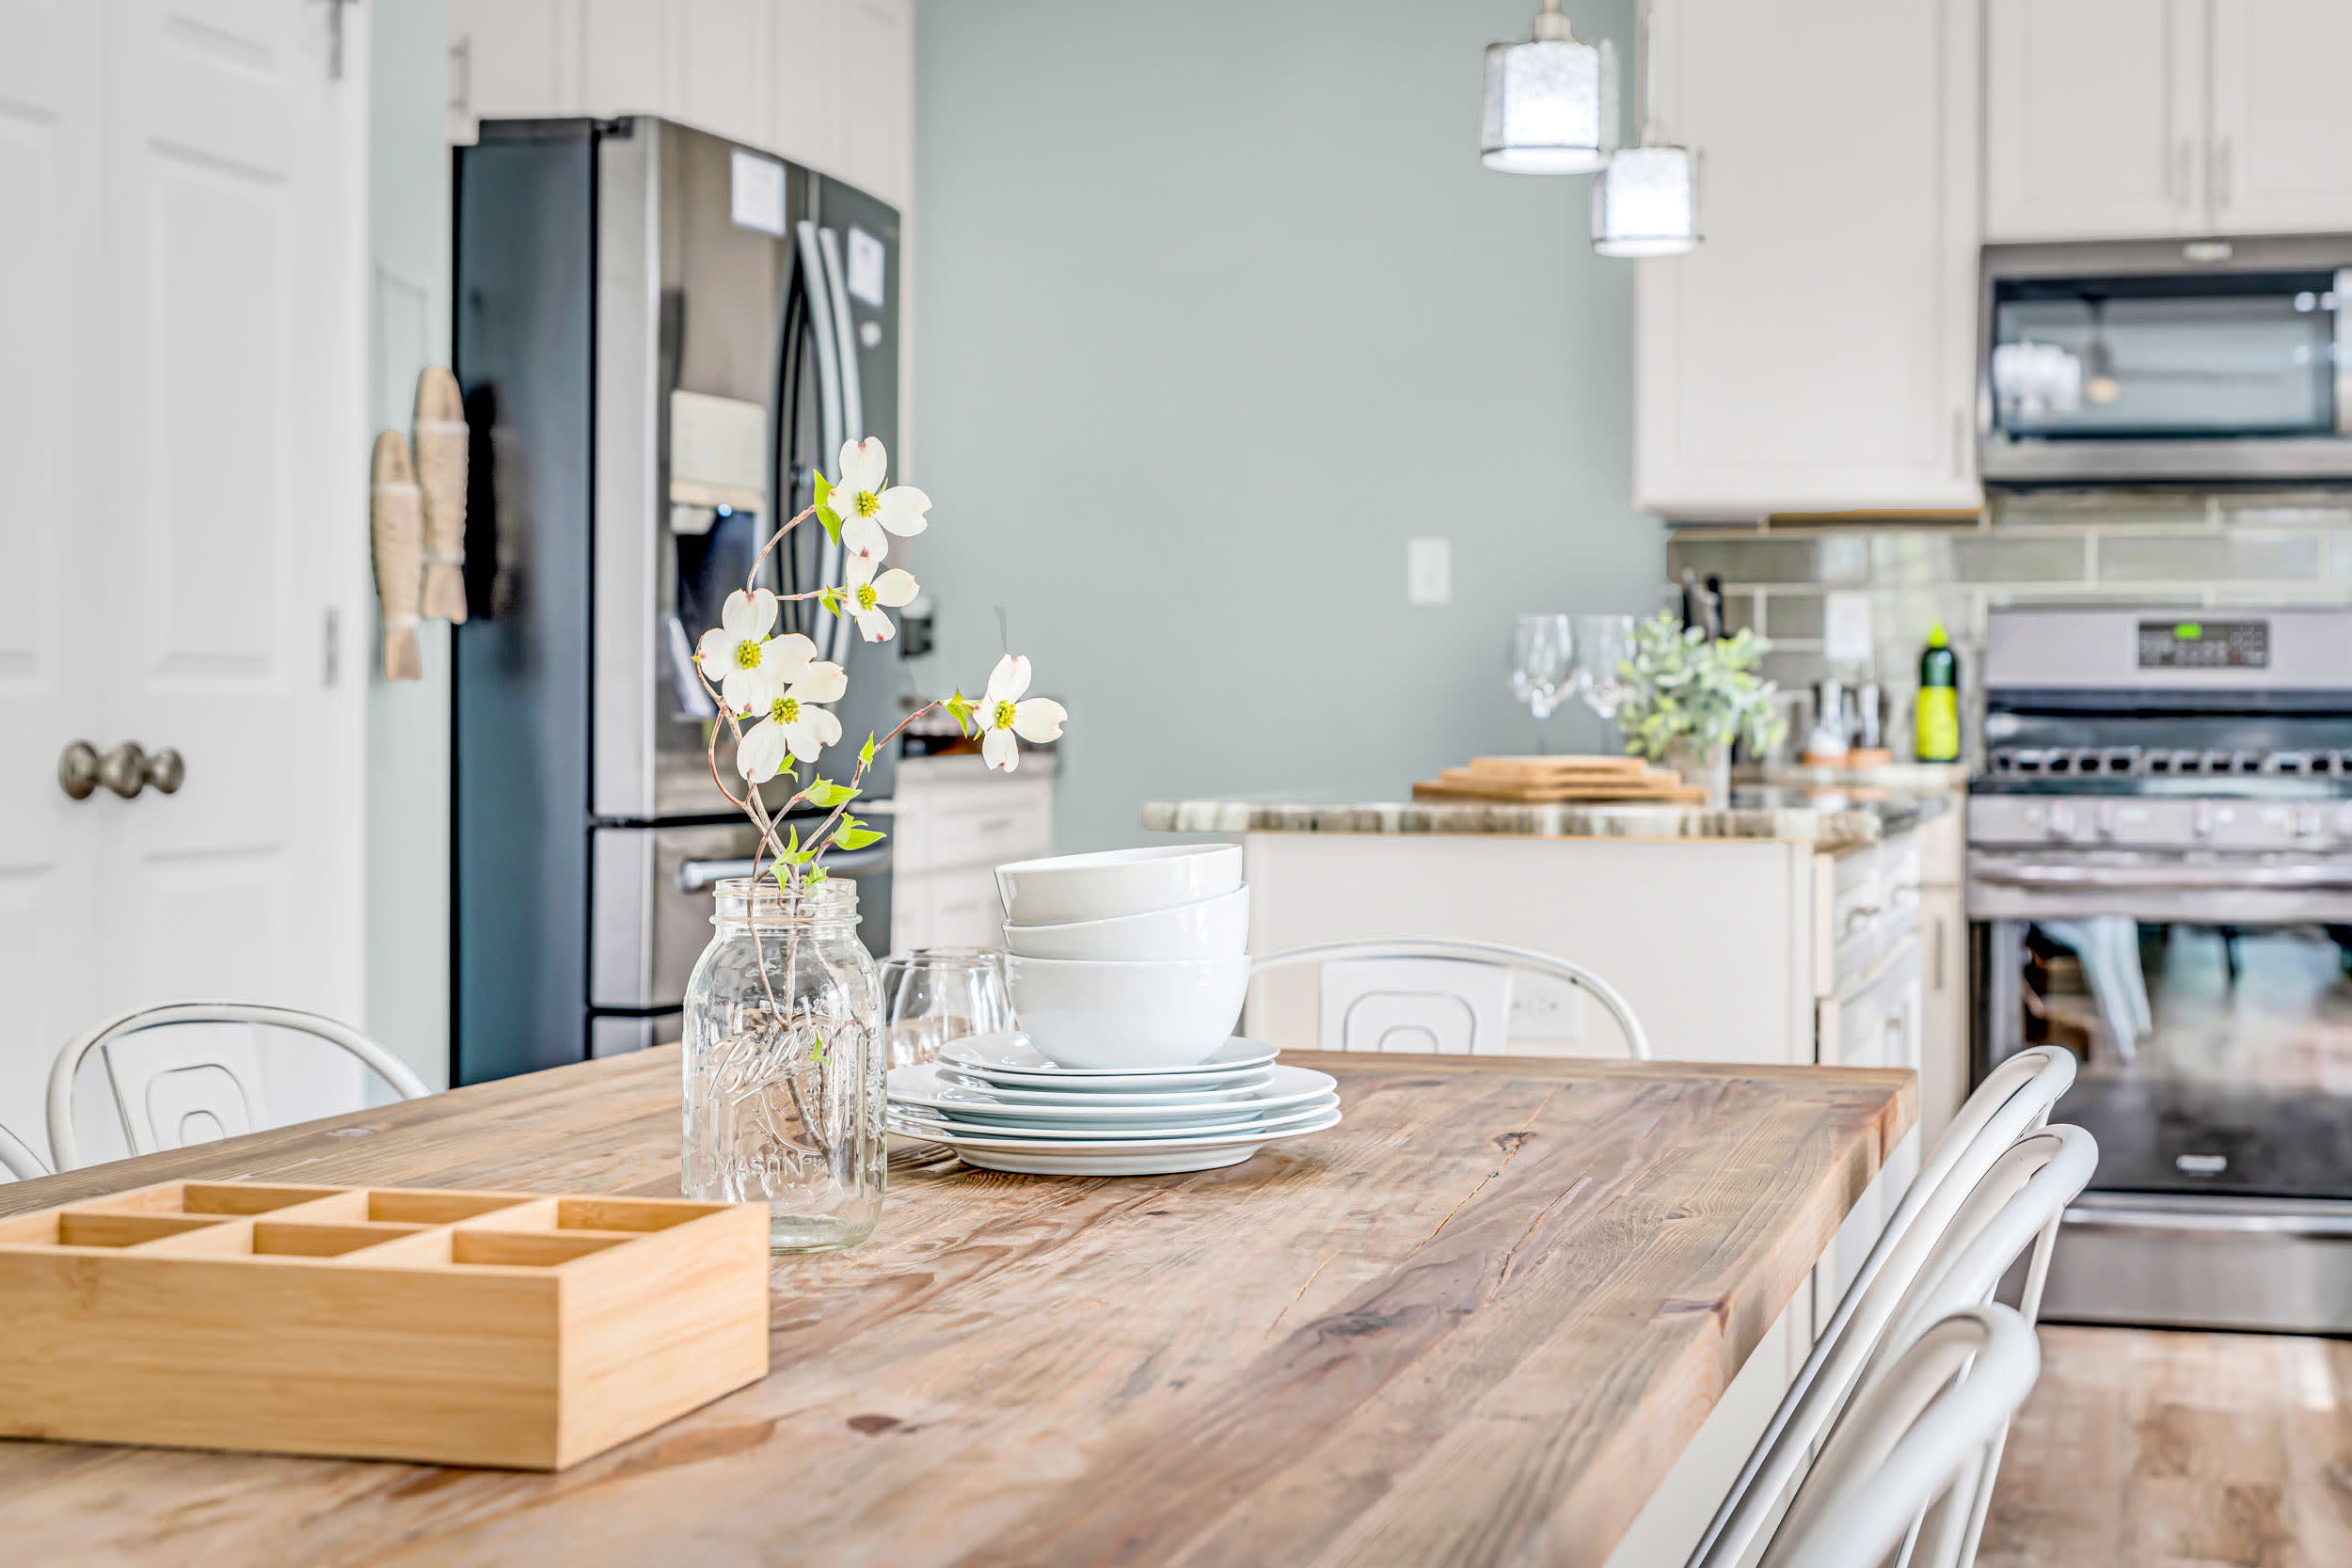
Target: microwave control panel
column 2204, row 644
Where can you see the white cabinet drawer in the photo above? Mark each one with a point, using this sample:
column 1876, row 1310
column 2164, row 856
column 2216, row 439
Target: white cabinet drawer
column 1866, row 901
column 982, row 823
column 965, row 911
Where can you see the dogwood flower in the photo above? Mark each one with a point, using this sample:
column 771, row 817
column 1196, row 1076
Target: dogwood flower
column 862, row 593
column 1003, row 714
column 751, row 669
column 868, row 507
column 794, row 726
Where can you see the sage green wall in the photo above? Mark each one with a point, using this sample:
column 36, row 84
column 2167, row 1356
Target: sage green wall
column 408, row 239
column 1214, row 308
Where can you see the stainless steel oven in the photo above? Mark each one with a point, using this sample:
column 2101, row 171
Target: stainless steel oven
column 2160, row 877
column 2205, row 362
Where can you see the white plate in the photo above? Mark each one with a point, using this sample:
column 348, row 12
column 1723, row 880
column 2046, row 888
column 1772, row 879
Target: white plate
column 1242, row 1087
column 1011, row 1059
column 932, row 1120
column 929, row 1086
column 1169, row 1157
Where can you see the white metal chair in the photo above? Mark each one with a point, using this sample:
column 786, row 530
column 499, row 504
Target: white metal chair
column 2013, row 1102
column 176, row 1084
column 1434, row 991
column 1899, row 1461
column 17, row 1163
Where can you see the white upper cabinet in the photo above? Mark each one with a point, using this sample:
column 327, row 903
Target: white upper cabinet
column 1815, row 352
column 825, row 83
column 2094, row 119
column 2281, row 116
column 2142, row 119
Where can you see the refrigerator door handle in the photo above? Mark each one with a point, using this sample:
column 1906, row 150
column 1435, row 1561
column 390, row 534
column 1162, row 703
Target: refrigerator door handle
column 821, row 288
column 835, row 645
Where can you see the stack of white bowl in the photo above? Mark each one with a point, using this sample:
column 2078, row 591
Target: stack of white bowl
column 1127, row 970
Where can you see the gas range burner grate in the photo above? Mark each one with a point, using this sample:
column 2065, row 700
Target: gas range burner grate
column 2156, row 762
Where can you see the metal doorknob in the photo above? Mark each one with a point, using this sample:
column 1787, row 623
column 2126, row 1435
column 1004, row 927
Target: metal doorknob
column 126, row 770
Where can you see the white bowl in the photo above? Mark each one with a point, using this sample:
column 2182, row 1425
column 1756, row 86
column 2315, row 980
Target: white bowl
column 1110, row 883
column 1214, row 929
column 1128, row 1013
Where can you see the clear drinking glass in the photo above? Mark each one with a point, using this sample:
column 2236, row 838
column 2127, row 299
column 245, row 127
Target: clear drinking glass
column 784, row 1062
column 1603, row 645
column 937, row 994
column 1542, row 665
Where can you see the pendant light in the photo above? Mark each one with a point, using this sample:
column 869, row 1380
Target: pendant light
column 1551, row 102
column 1647, row 201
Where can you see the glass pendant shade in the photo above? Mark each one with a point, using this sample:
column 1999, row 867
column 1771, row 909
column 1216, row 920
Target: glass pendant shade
column 1646, row 202
column 1551, row 106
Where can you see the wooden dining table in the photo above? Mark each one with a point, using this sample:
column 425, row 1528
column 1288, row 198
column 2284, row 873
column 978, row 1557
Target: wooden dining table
column 1475, row 1323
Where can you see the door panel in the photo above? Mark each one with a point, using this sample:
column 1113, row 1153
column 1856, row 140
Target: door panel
column 180, row 308
column 2094, row 119
column 2281, row 115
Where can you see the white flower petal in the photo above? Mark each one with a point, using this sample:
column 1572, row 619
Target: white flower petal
column 751, row 689
column 864, row 536
column 874, row 626
column 748, row 615
column 821, row 682
column 863, row 466
column 902, row 508
column 827, row 726
column 1001, row 750
column 761, row 755
column 1008, row 680
column 895, row 587
column 785, row 656
column 857, row 571
column 1040, row 718
column 717, row 652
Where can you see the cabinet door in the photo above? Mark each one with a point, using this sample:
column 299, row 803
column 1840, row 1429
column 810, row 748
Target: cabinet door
column 1943, row 1009
column 876, row 107
column 2094, row 119
column 514, row 57
column 720, row 61
column 2281, row 115
column 1815, row 352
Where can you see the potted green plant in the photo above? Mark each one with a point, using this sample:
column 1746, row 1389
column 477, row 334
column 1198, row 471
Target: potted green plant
column 1690, row 696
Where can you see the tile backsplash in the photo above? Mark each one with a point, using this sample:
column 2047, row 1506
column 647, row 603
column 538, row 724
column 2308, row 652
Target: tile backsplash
column 2160, row 548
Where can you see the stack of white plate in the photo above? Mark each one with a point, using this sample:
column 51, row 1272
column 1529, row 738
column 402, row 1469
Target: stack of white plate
column 1002, row 1104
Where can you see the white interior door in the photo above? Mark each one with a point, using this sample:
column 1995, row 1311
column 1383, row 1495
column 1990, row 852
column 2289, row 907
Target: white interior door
column 2280, row 117
column 197, row 528
column 2095, row 116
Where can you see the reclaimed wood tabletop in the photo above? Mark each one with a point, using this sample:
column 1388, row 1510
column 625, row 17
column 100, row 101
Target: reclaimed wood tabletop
column 1475, row 1323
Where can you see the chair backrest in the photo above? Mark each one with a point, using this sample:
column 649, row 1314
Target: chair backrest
column 2013, row 1102
column 188, row 1072
column 17, row 1163
column 1908, row 1450
column 1428, row 1016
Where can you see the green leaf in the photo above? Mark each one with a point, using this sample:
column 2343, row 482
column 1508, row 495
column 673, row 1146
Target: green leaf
column 960, row 708
column 817, row 1050
column 816, row 874
column 831, row 521
column 794, row 841
column 825, row 792
column 824, row 487
column 855, row 838
column 865, row 753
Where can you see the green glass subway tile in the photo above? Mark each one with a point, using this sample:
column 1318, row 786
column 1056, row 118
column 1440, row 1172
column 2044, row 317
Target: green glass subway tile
column 2210, row 558
column 1761, row 559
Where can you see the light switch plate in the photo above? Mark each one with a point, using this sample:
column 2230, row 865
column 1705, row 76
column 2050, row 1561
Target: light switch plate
column 1428, row 571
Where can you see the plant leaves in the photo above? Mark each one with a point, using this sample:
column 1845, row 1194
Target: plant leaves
column 855, row 838
column 865, row 753
column 824, row 487
column 831, row 521
column 825, row 792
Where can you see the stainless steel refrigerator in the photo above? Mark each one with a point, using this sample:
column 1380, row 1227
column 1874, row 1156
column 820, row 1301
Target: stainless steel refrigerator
column 661, row 336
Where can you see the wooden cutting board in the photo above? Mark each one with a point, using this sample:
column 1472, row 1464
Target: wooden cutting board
column 1548, row 780
column 1551, row 767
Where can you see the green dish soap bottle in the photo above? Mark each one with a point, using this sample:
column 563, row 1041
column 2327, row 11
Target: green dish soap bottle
column 1938, row 709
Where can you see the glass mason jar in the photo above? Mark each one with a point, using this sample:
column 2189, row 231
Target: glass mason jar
column 783, row 1059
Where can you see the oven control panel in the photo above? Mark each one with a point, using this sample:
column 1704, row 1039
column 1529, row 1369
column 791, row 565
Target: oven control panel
column 2144, row 822
column 2204, row 644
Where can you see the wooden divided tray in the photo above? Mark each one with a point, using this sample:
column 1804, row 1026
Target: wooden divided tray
column 1624, row 779
column 511, row 1330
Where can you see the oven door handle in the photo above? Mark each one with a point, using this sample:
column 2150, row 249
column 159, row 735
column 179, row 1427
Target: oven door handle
column 694, row 876
column 2226, row 1222
column 2122, row 879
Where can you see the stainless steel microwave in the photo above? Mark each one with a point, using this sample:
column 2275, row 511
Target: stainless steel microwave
column 2166, row 362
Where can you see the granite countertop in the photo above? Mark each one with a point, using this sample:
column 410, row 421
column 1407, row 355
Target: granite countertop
column 1827, row 820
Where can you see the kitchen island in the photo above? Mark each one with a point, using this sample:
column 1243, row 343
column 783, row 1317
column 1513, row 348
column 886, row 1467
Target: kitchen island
column 1475, row 1323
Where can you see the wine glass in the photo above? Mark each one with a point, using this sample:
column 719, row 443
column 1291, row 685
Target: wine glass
column 1603, row 645
column 934, row 995
column 1542, row 665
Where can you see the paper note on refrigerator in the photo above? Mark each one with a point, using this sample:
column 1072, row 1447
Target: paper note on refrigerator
column 1845, row 629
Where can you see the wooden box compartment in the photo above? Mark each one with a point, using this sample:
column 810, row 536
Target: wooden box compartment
column 510, row 1329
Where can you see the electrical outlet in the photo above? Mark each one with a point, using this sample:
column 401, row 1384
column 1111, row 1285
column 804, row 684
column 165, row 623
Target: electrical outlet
column 1428, row 571
column 1544, row 1007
